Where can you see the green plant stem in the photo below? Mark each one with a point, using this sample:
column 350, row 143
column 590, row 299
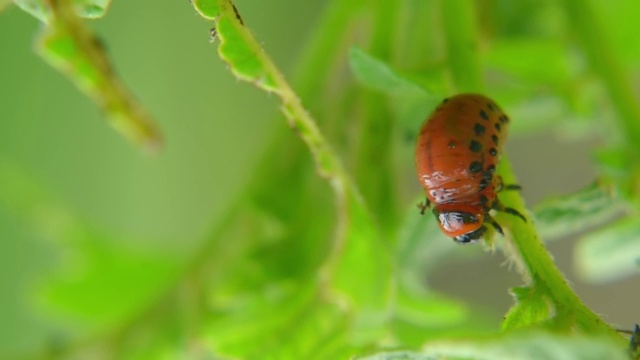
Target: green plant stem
column 316, row 59
column 374, row 169
column 310, row 74
column 271, row 79
column 385, row 19
column 249, row 62
column 539, row 267
column 593, row 37
column 539, row 264
column 71, row 47
column 460, row 30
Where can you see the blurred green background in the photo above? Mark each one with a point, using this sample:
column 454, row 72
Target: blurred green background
column 56, row 145
column 70, row 185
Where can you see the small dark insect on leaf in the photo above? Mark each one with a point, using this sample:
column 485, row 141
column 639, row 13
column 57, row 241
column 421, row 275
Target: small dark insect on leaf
column 213, row 34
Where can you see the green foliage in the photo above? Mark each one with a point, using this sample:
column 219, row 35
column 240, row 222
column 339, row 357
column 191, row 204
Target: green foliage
column 518, row 345
column 610, row 253
column 377, row 75
column 560, row 216
column 70, row 46
column 323, row 255
column 86, row 8
column 411, row 102
column 531, row 308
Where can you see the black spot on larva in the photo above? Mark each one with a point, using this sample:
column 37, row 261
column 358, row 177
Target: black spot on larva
column 433, row 193
column 487, row 175
column 441, row 198
column 479, row 129
column 475, row 167
column 483, row 184
column 452, row 145
column 483, row 115
column 493, row 152
column 475, row 146
column 445, row 100
column 503, row 119
column 490, row 106
column 495, row 139
column 497, row 126
column 491, row 169
column 484, row 199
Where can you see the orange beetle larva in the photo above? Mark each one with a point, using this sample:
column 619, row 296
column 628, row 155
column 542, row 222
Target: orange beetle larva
column 457, row 152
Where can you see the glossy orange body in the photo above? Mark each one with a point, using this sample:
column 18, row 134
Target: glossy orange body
column 457, row 152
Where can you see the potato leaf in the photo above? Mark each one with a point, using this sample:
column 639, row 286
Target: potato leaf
column 519, row 345
column 610, row 253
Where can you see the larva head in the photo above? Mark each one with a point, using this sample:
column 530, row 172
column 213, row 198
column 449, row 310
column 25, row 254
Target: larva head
column 463, row 223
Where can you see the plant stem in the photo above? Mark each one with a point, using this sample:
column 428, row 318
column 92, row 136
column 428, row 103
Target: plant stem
column 539, row 262
column 263, row 73
column 248, row 61
column 71, row 47
column 374, row 168
column 316, row 60
column 593, row 36
column 460, row 29
column 541, row 271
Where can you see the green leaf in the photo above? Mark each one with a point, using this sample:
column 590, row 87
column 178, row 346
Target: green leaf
column 88, row 288
column 208, row 9
column 28, row 219
column 401, row 355
column 429, row 310
column 357, row 273
column 72, row 48
column 250, row 317
column 244, row 60
column 91, row 9
column 532, row 307
column 519, row 345
column 361, row 272
column 419, row 316
column 259, row 326
column 377, row 75
column 611, row 253
column 567, row 214
column 90, row 281
column 410, row 101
